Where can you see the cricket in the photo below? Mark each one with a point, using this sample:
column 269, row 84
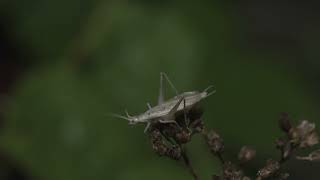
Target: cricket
column 165, row 110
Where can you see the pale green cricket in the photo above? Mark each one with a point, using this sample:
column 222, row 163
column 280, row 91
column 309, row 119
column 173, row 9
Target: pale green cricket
column 165, row 111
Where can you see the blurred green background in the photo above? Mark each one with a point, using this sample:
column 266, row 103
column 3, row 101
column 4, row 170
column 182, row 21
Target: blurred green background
column 66, row 64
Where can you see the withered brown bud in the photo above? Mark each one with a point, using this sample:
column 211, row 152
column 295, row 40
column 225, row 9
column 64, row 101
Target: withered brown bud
column 283, row 176
column 216, row 177
column 304, row 135
column 183, row 136
column 246, row 154
column 174, row 152
column 157, row 142
column 271, row 168
column 294, row 136
column 160, row 148
column 310, row 140
column 215, row 142
column 307, row 134
column 285, row 123
column 156, row 135
column 197, row 126
column 231, row 172
column 246, row 178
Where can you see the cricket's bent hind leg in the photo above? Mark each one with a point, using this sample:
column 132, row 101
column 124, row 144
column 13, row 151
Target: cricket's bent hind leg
column 175, row 108
column 170, row 118
column 161, row 91
column 171, row 84
column 186, row 120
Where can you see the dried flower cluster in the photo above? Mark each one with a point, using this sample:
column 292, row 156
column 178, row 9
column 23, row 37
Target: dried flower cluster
column 169, row 139
column 301, row 136
column 230, row 170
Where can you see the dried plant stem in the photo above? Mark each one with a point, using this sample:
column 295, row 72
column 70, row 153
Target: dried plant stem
column 187, row 162
column 220, row 157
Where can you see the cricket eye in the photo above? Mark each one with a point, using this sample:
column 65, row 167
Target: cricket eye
column 133, row 121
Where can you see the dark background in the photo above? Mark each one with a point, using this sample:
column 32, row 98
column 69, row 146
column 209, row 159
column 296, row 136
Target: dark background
column 66, row 64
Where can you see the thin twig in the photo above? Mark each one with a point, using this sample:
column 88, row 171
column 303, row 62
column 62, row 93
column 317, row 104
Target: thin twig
column 188, row 163
column 219, row 155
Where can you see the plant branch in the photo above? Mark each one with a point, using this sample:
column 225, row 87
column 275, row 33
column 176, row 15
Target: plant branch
column 187, row 162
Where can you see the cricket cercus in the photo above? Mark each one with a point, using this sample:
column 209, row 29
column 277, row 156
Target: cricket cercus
column 165, row 111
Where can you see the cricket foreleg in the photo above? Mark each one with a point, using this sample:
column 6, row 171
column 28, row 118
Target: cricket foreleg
column 147, row 127
column 164, row 121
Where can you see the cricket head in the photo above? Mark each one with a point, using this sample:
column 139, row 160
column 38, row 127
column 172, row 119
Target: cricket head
column 132, row 119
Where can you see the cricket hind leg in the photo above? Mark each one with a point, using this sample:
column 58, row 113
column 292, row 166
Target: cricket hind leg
column 168, row 121
column 161, row 91
column 170, row 83
column 186, row 119
column 170, row 118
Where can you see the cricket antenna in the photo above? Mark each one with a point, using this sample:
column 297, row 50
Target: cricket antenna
column 208, row 92
column 119, row 116
column 128, row 115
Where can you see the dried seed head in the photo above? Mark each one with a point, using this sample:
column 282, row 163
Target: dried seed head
column 310, row 140
column 283, row 176
column 155, row 135
column 271, row 168
column 246, row 178
column 294, row 136
column 183, row 136
column 158, row 144
column 174, row 153
column 215, row 142
column 246, row 154
column 160, row 148
column 197, row 126
column 307, row 134
column 216, row 177
column 231, row 172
